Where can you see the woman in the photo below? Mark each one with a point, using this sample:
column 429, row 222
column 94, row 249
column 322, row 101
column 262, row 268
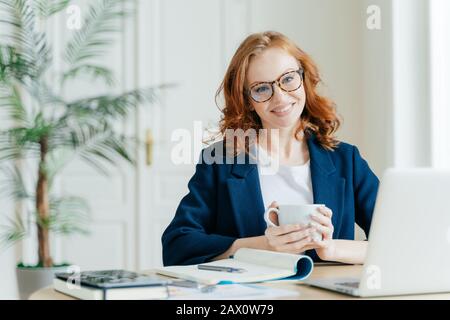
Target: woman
column 271, row 85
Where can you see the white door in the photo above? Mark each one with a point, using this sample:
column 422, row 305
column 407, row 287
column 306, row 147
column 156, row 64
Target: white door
column 112, row 199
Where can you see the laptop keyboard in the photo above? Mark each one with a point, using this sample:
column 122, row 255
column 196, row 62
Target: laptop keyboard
column 349, row 284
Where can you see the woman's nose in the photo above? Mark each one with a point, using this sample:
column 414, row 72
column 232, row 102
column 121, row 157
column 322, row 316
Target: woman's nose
column 278, row 94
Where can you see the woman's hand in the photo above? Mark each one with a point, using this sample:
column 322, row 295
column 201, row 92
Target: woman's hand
column 296, row 239
column 290, row 238
column 321, row 221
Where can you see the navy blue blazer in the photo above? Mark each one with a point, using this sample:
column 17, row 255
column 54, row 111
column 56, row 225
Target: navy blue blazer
column 225, row 203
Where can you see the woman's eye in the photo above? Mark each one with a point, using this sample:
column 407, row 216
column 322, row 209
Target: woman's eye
column 261, row 89
column 287, row 79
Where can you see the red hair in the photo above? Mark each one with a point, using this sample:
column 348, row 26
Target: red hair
column 319, row 116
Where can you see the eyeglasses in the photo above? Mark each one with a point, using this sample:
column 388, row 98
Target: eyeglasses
column 289, row 81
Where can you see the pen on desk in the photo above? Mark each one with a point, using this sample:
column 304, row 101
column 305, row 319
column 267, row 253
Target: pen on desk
column 219, row 268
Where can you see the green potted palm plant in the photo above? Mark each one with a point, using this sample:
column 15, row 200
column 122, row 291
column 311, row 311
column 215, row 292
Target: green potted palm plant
column 42, row 131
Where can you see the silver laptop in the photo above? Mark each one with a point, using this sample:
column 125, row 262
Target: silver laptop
column 409, row 241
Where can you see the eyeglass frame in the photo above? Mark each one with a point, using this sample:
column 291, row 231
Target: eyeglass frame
column 300, row 71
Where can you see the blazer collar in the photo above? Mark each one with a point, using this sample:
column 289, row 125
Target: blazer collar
column 243, row 163
column 320, row 157
column 328, row 186
column 320, row 160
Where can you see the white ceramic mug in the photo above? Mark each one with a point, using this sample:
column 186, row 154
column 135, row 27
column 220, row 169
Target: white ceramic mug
column 293, row 214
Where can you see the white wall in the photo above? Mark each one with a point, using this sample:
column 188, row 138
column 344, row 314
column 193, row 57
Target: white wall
column 439, row 82
column 412, row 105
column 8, row 258
column 396, row 75
column 377, row 86
column 8, row 287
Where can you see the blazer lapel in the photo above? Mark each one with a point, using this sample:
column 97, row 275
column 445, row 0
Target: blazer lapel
column 246, row 199
column 328, row 187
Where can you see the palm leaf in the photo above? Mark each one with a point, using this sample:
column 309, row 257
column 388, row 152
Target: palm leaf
column 13, row 65
column 42, row 94
column 19, row 16
column 95, row 36
column 68, row 215
column 109, row 147
column 12, row 184
column 8, row 149
column 11, row 103
column 110, row 106
column 18, row 143
column 56, row 160
column 95, row 142
column 46, row 8
column 92, row 71
column 101, row 147
column 87, row 129
column 60, row 157
column 14, row 231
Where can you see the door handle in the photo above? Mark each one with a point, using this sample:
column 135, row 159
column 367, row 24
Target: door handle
column 148, row 147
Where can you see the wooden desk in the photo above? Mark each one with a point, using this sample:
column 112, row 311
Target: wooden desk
column 305, row 292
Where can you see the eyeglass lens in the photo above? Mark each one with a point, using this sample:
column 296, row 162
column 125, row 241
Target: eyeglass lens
column 288, row 82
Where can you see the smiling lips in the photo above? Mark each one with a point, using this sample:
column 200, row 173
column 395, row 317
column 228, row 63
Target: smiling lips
column 282, row 111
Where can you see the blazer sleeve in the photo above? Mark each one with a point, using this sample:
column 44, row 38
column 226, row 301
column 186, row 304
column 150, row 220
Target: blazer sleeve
column 365, row 184
column 190, row 237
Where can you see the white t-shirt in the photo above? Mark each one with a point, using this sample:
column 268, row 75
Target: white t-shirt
column 282, row 183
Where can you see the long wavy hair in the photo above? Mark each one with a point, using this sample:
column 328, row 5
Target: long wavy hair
column 319, row 116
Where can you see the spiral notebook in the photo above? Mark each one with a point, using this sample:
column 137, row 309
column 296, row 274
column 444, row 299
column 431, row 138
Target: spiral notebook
column 246, row 266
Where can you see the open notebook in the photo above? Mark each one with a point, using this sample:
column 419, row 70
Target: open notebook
column 255, row 265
